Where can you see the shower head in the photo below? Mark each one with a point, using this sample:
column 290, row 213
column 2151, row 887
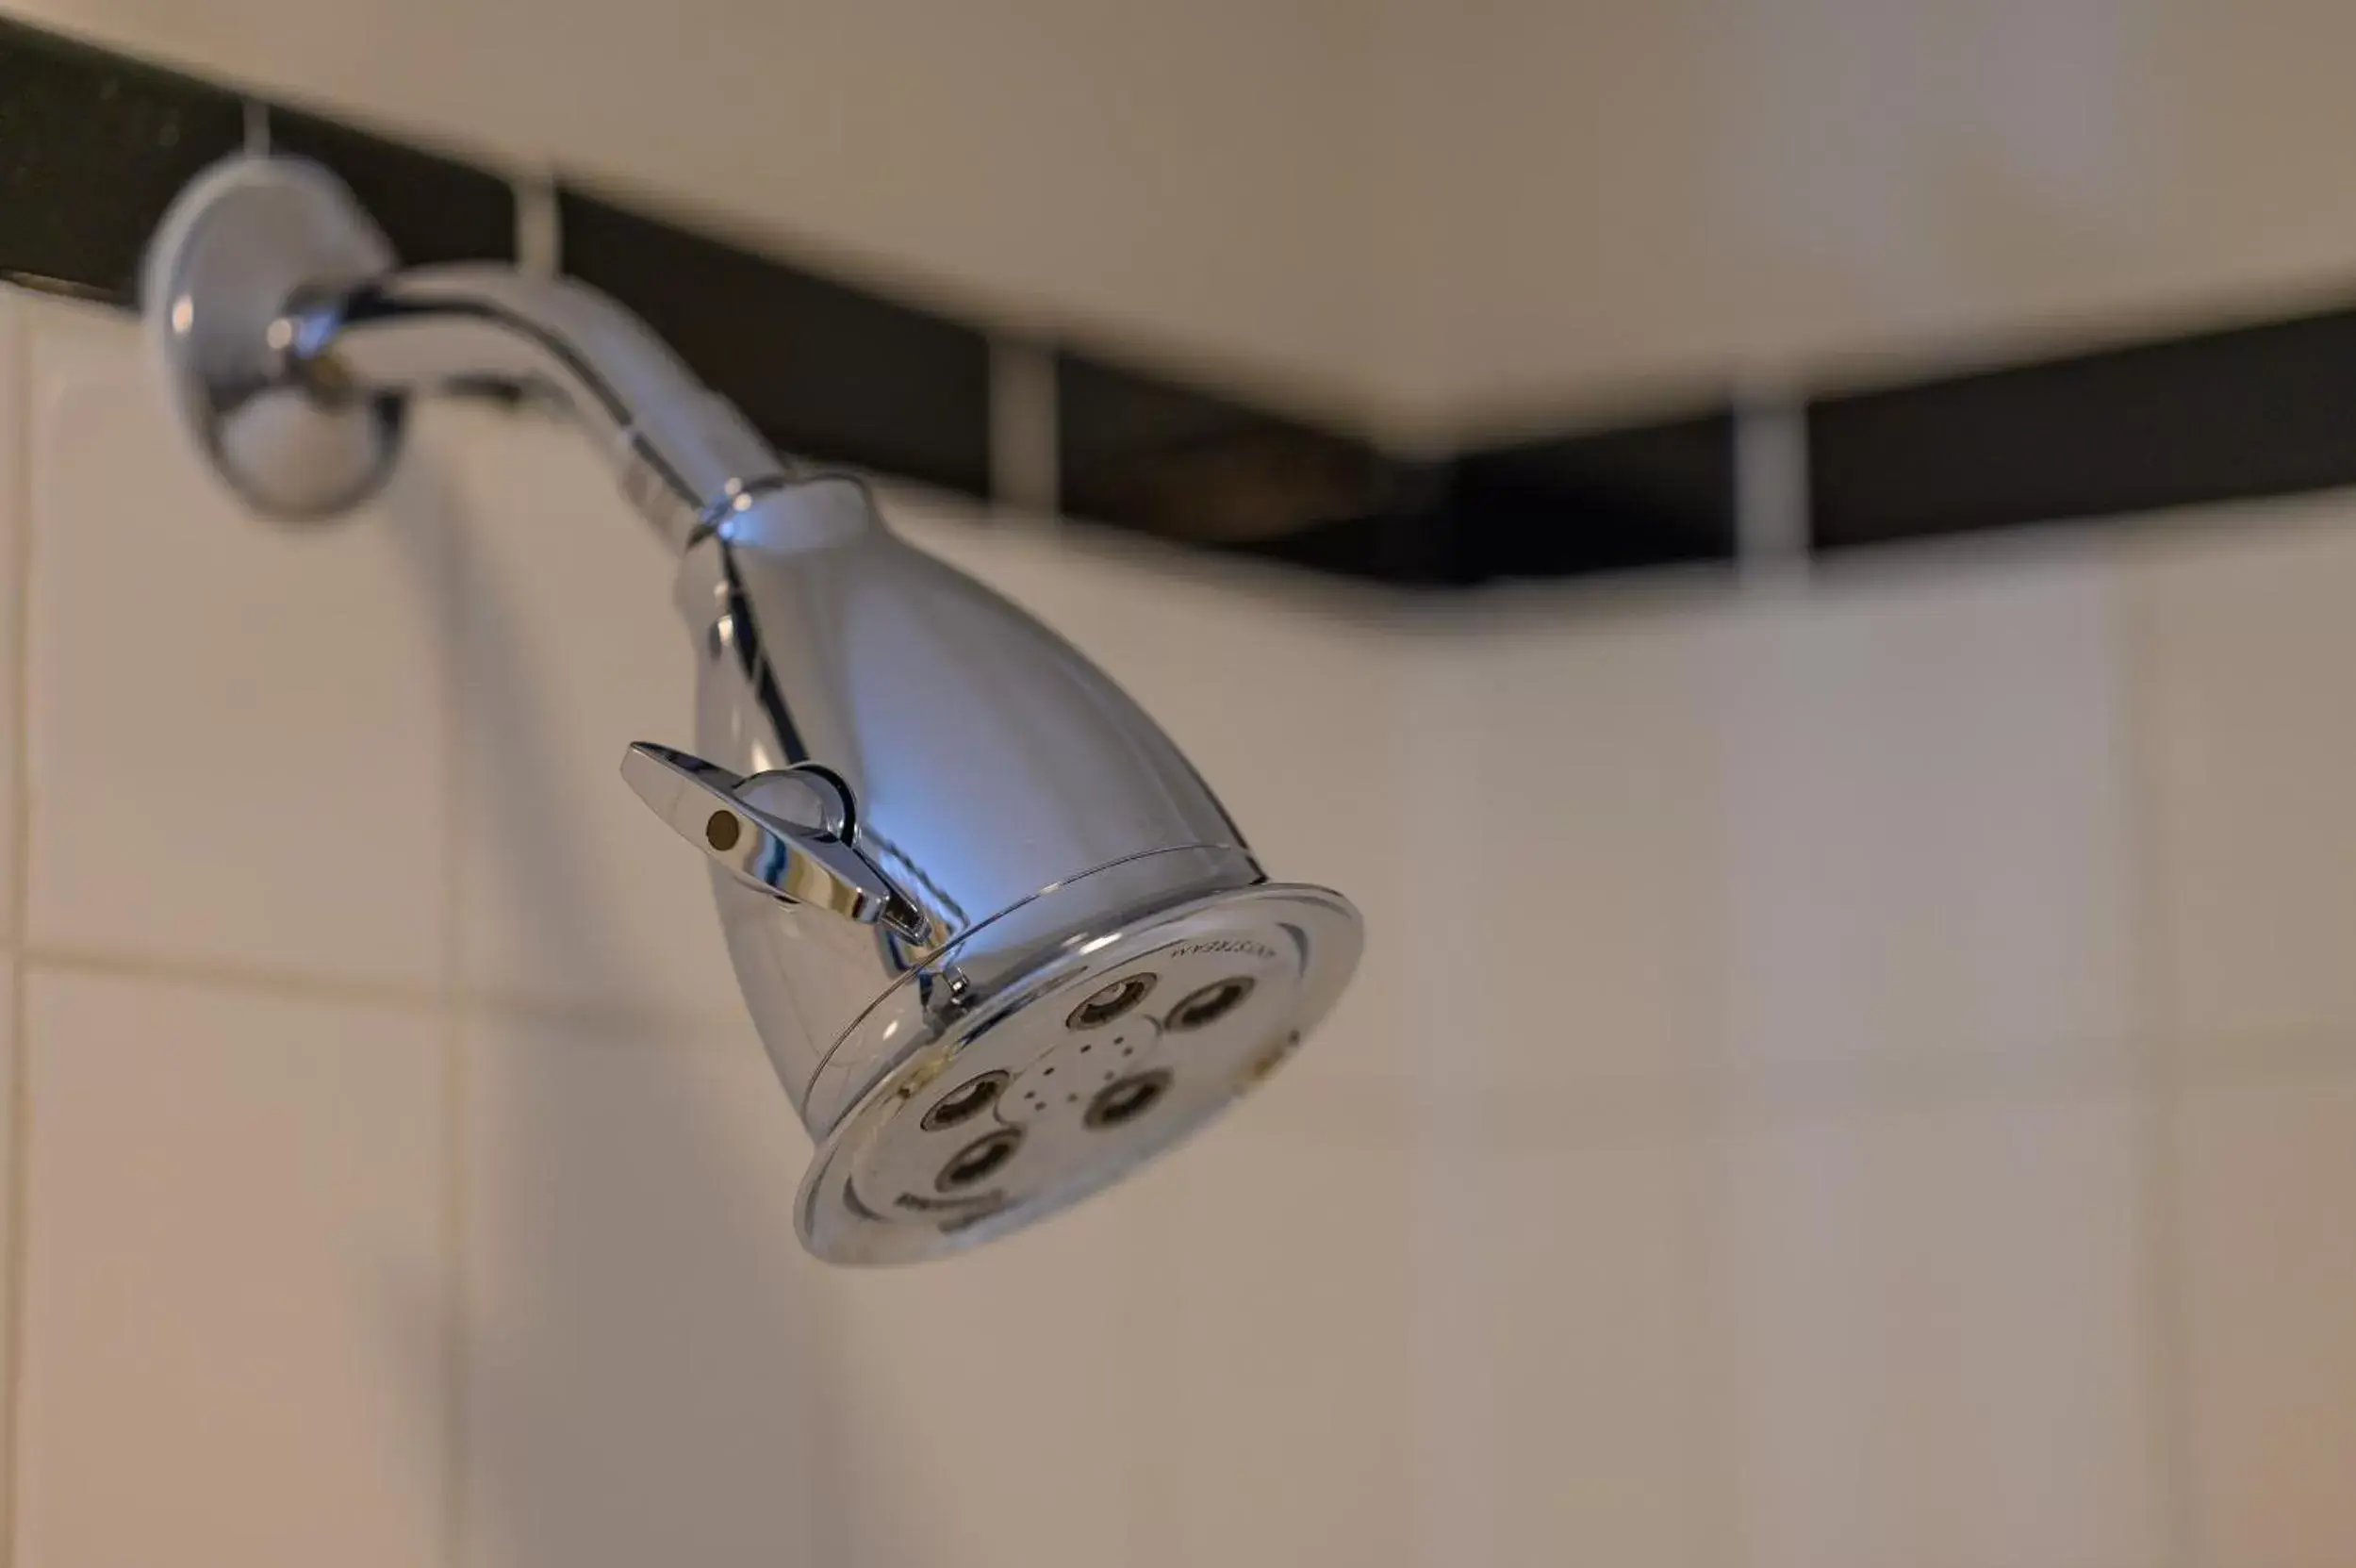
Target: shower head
column 1001, row 941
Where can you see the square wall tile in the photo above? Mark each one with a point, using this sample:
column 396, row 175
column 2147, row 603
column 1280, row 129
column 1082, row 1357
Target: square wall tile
column 1572, row 1291
column 570, row 890
column 653, row 1370
column 2266, row 1272
column 1571, row 807
column 1286, row 1420
column 1929, row 822
column 2249, row 754
column 236, row 1330
column 1001, row 1412
column 1939, row 1342
column 238, row 744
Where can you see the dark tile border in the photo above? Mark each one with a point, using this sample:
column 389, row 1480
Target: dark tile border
column 1640, row 495
column 1650, row 495
column 432, row 208
column 823, row 370
column 93, row 146
column 2217, row 416
column 1163, row 458
column 1145, row 453
column 92, row 149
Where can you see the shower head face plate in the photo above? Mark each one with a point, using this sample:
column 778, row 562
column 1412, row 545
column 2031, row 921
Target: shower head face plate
column 1077, row 1071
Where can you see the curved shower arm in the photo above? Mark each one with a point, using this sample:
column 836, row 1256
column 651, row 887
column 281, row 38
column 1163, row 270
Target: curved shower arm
column 684, row 455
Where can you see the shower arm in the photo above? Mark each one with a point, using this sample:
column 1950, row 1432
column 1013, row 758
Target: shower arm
column 293, row 340
column 681, row 455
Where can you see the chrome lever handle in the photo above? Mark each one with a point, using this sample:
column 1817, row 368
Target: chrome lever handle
column 798, row 863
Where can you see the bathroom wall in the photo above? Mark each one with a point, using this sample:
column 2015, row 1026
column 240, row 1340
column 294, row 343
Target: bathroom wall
column 1208, row 211
column 1615, row 203
column 1440, row 218
column 1849, row 1071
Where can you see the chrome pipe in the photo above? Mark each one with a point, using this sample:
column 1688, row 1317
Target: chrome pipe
column 683, row 456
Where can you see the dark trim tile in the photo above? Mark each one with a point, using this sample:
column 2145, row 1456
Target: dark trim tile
column 1641, row 496
column 92, row 149
column 1184, row 464
column 1407, row 543
column 432, row 208
column 1143, row 453
column 1649, row 495
column 2250, row 411
column 823, row 370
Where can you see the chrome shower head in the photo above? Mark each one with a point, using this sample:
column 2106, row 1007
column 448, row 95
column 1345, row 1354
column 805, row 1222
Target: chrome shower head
column 1001, row 941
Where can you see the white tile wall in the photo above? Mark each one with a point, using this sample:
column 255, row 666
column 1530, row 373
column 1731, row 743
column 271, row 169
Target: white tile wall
column 237, row 1303
column 1587, row 1282
column 1936, row 1333
column 1927, row 834
column 2267, row 1263
column 1001, row 1415
column 570, row 892
column 237, row 736
column 1282, row 1417
column 652, row 1370
column 2245, row 628
column 1763, row 1133
column 1570, row 801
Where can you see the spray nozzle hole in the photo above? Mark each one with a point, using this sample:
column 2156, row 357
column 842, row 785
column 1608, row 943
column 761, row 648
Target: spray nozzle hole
column 965, row 1103
column 1211, row 1003
column 979, row 1160
column 1125, row 1102
column 1109, row 1001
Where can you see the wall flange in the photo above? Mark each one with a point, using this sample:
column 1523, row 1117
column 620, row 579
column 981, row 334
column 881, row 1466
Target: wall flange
column 246, row 244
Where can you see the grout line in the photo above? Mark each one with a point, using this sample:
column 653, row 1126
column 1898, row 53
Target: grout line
column 539, row 226
column 1457, row 1384
column 1024, row 472
column 615, row 1020
column 451, row 575
column 142, row 967
column 612, row 1021
column 1615, row 1108
column 16, row 442
column 1712, row 1396
column 1771, row 497
column 2160, row 1176
column 1602, row 1112
column 618, row 1022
